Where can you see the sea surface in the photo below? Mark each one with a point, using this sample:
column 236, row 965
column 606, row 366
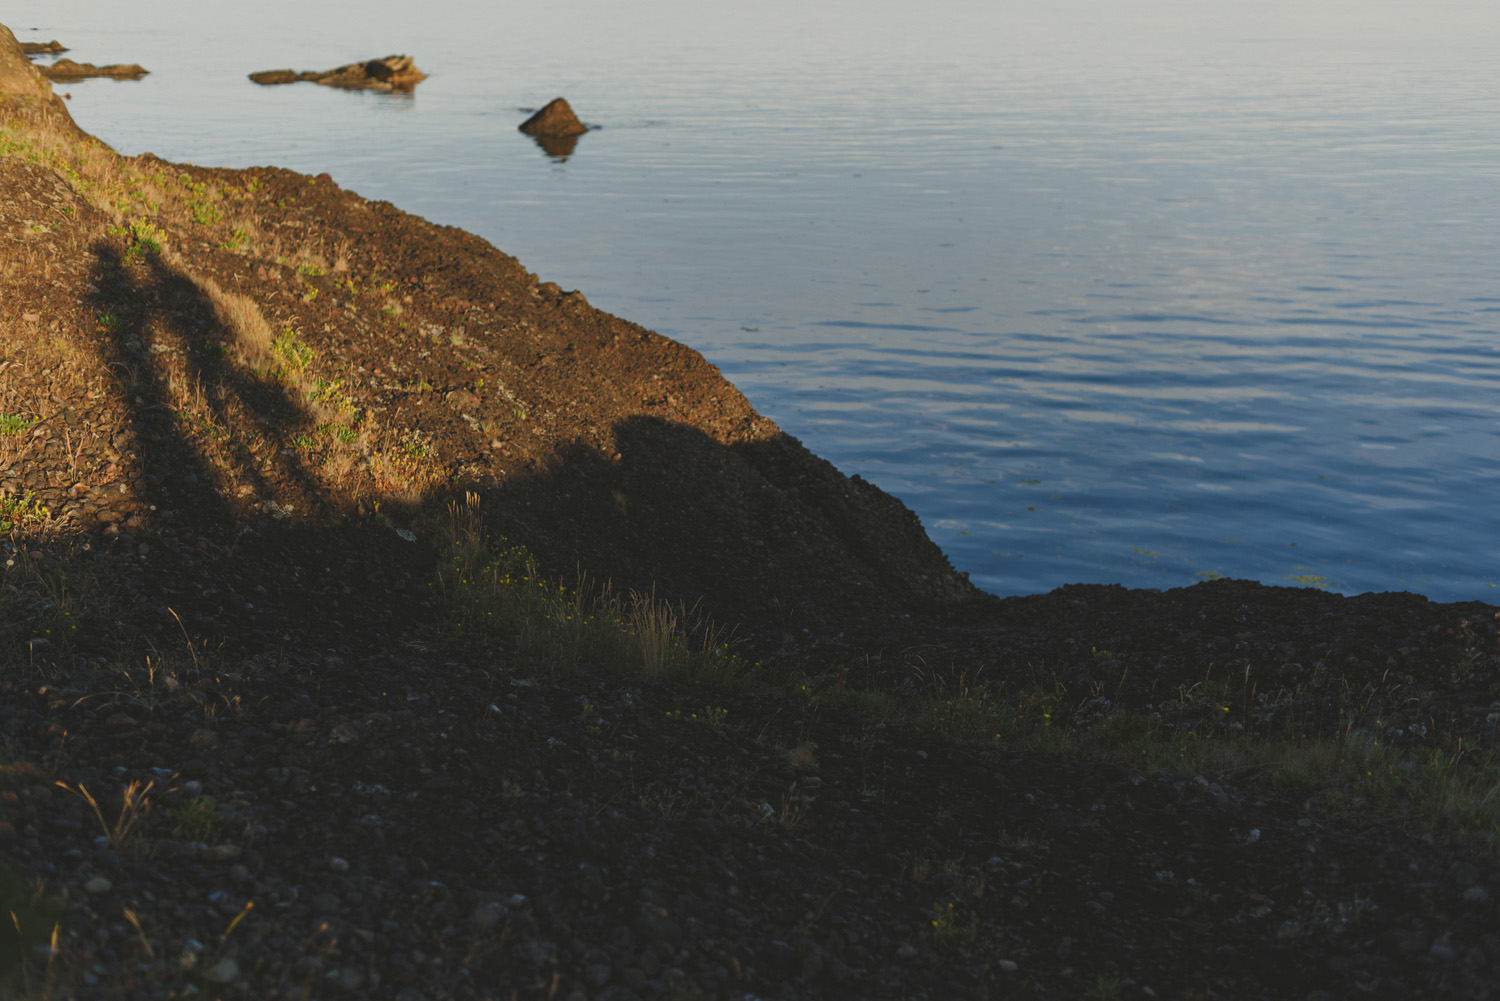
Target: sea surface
column 1117, row 292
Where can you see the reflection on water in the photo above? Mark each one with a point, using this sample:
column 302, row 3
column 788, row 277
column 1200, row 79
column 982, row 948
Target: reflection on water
column 1146, row 292
column 558, row 148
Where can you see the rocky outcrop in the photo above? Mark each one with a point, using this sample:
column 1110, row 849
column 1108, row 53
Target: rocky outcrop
column 393, row 73
column 43, row 48
column 21, row 79
column 67, row 69
column 556, row 119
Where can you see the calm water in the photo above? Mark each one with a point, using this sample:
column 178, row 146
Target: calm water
column 1110, row 292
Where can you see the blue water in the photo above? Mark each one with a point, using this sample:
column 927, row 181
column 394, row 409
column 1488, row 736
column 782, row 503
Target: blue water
column 1109, row 292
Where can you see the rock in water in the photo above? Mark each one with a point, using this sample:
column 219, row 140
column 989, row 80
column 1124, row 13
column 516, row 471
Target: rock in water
column 390, row 73
column 67, row 69
column 556, row 119
column 270, row 78
column 394, row 71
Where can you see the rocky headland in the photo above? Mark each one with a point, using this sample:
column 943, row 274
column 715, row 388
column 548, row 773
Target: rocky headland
column 380, row 620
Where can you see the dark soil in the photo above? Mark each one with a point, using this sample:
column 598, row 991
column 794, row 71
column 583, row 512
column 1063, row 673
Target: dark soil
column 224, row 617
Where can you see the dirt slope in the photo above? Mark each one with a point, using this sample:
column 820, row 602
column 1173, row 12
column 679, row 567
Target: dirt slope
column 241, row 759
column 419, row 362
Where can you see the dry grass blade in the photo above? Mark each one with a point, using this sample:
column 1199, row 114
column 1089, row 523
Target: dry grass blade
column 145, row 943
column 134, row 806
column 236, row 922
column 654, row 625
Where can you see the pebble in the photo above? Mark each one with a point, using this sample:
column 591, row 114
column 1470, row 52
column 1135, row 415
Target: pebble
column 223, row 972
column 1442, row 950
column 907, row 951
column 98, row 885
column 1476, row 895
column 349, row 979
column 486, row 916
column 1007, row 966
column 220, row 853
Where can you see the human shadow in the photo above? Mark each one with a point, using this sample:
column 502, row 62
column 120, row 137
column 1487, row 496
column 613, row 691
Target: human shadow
column 247, row 544
column 162, row 341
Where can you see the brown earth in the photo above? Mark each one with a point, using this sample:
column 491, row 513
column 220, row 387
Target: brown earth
column 241, row 395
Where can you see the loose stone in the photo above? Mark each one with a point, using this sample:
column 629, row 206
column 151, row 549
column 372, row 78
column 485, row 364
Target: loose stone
column 223, row 972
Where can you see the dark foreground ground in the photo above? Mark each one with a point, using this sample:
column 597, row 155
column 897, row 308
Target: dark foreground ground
column 248, row 755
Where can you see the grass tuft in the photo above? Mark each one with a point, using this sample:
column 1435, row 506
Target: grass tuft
column 19, row 510
column 501, row 593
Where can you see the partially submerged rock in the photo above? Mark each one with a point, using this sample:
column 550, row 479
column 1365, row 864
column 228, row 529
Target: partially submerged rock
column 67, row 69
column 556, row 119
column 43, row 48
column 388, row 74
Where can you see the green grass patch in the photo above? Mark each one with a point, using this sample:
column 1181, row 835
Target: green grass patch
column 332, row 393
column 15, row 424
column 344, row 434
column 205, row 213
column 19, row 510
column 145, row 238
column 291, row 355
column 196, row 819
